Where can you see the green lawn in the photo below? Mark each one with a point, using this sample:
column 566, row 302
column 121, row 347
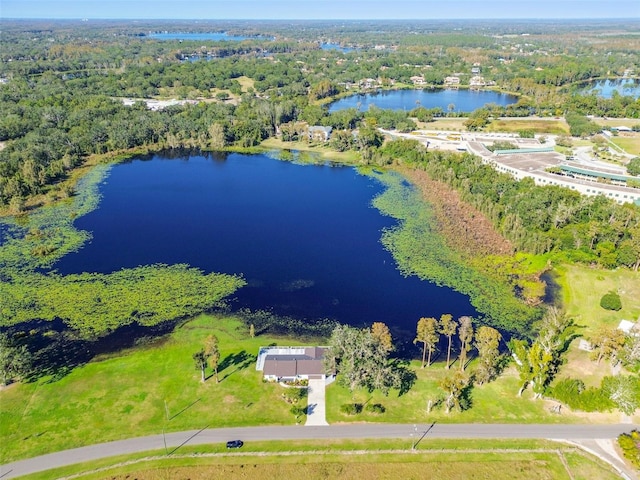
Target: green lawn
column 583, row 287
column 123, row 396
column 496, row 402
column 630, row 144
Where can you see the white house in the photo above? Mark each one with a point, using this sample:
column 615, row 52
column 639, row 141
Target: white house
column 319, row 133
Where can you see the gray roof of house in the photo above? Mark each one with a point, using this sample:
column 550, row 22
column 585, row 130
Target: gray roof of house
column 291, row 365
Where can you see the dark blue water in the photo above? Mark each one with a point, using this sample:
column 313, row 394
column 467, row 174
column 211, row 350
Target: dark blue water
column 214, row 36
column 461, row 100
column 305, row 237
column 627, row 87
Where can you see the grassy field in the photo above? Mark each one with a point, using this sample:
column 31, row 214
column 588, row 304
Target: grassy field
column 245, row 82
column 510, row 125
column 124, row 395
column 616, row 122
column 317, row 149
column 494, row 402
column 364, row 459
column 538, row 125
column 455, row 124
column 583, row 287
column 630, row 143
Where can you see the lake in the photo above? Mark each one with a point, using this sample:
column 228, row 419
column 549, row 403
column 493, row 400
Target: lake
column 605, row 88
column 462, row 100
column 305, row 237
column 337, row 46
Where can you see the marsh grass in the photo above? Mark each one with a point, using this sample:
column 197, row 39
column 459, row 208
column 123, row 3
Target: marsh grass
column 51, row 227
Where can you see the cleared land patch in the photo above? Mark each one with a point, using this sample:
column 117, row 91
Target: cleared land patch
column 538, row 125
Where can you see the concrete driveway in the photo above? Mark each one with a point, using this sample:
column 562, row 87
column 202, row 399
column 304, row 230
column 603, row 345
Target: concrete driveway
column 316, row 410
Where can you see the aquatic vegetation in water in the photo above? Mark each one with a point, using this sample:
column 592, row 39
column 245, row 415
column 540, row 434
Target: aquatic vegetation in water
column 40, row 238
column 420, row 250
column 90, row 303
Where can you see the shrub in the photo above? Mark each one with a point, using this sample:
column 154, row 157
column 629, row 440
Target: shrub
column 351, row 408
column 527, row 133
column 502, row 145
column 294, row 395
column 633, row 167
column 375, row 408
column 298, row 411
column 611, row 301
column 580, row 126
column 572, row 393
column 630, row 445
column 564, row 141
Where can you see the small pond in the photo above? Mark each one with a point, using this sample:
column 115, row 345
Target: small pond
column 336, row 46
column 454, row 100
column 305, row 237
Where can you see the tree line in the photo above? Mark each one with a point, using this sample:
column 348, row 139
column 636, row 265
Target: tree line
column 363, row 358
column 537, row 219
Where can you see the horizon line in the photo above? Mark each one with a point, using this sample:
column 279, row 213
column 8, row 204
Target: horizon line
column 323, row 19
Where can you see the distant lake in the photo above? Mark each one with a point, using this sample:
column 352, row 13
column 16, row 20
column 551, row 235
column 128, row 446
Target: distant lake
column 214, row 36
column 628, row 87
column 462, row 100
column 336, row 46
column 306, row 238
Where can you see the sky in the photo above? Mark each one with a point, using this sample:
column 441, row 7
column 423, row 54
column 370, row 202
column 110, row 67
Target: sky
column 319, row 9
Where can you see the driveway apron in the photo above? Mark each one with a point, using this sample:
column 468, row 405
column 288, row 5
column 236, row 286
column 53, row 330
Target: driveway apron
column 315, row 403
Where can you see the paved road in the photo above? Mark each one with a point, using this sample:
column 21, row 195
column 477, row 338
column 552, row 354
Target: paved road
column 218, row 435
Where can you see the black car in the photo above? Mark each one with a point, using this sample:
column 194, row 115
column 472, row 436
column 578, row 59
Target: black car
column 234, row 443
